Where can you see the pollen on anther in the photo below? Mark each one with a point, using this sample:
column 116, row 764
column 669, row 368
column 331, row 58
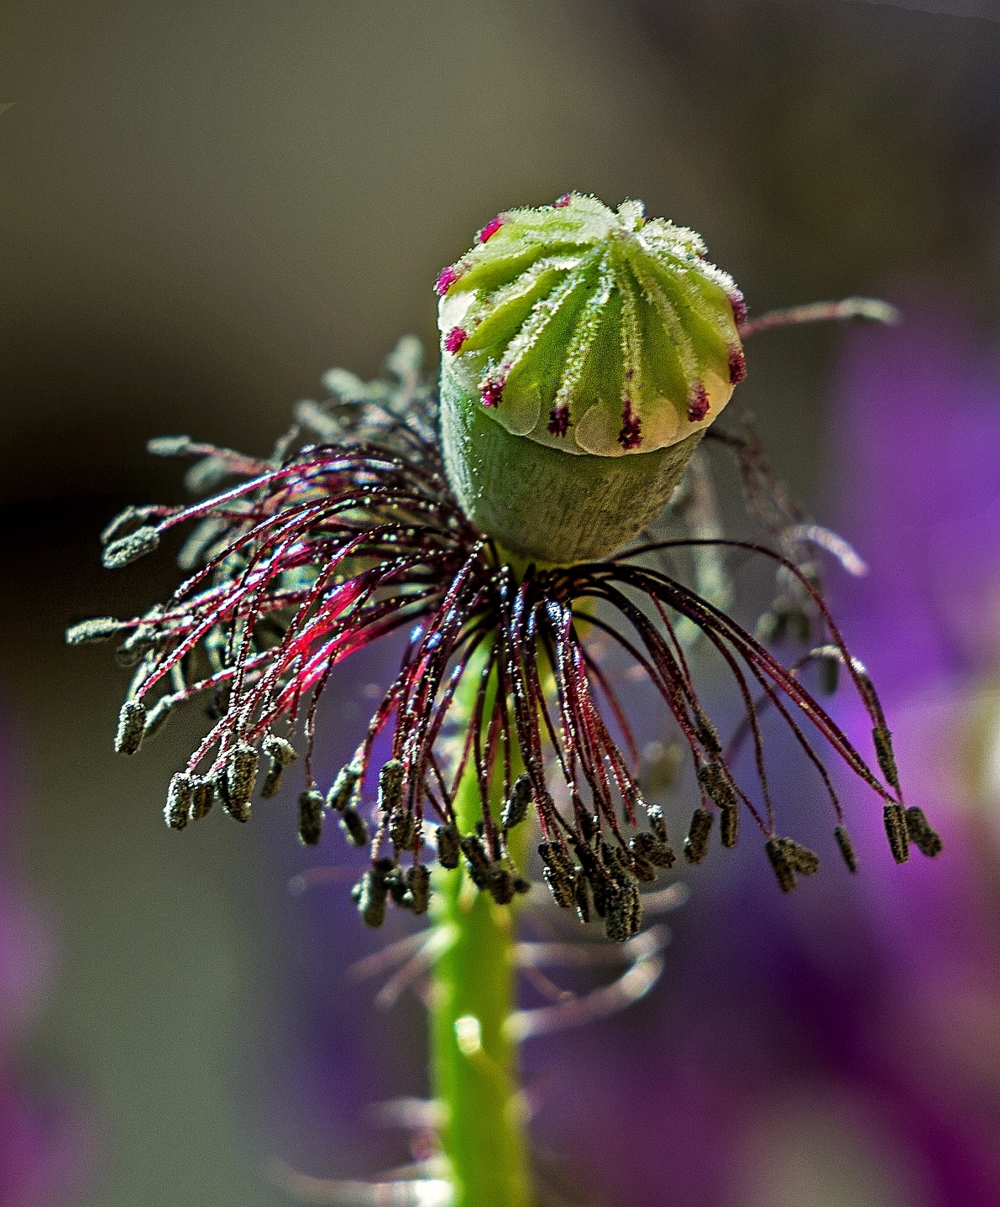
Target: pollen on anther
column 446, row 278
column 454, row 340
column 698, row 405
column 558, row 424
column 490, row 229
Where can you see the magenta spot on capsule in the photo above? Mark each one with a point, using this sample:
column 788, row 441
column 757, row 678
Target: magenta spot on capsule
column 491, row 392
column 454, row 340
column 446, row 278
column 560, row 203
column 630, row 436
column 698, row 405
column 739, row 307
column 558, row 421
column 490, row 229
column 737, row 365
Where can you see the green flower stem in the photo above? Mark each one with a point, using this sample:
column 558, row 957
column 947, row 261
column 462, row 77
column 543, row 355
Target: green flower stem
column 474, row 1062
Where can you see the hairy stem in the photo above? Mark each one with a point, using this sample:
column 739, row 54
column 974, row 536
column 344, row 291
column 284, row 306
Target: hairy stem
column 474, row 1063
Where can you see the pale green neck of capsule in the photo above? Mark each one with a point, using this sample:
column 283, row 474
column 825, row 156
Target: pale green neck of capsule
column 544, row 505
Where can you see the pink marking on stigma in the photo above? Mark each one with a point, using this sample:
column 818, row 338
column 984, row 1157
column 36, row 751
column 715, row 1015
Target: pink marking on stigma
column 558, row 421
column 561, row 202
column 446, row 278
column 454, row 340
column 491, row 392
column 737, row 365
column 739, row 307
column 698, row 405
column 631, row 434
column 490, row 229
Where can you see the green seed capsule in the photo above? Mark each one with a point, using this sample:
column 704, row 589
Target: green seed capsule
column 131, row 727
column 696, row 843
column 518, row 803
column 310, row 817
column 593, row 334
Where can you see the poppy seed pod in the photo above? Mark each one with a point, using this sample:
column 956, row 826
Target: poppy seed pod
column 584, row 351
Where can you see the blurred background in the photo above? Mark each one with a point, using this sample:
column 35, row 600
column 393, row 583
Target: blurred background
column 203, row 207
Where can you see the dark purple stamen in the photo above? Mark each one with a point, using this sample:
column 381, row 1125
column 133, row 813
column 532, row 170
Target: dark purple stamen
column 491, row 392
column 490, row 229
column 454, row 340
column 739, row 307
column 630, row 436
column 446, row 278
column 558, row 424
column 737, row 365
column 698, row 405
column 562, row 202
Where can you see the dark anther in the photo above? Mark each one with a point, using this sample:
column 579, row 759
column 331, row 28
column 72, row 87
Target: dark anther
column 179, row 797
column 800, row 857
column 282, row 754
column 448, row 845
column 100, row 628
column 310, row 817
column 846, row 848
column 521, row 886
column 390, row 787
column 924, row 837
column 588, row 824
column 131, row 726
column 895, row 829
column 653, row 849
column 396, row 884
column 344, row 788
column 708, row 735
column 555, row 856
column 560, row 885
column 402, row 828
column 716, row 784
column 581, row 894
column 202, row 798
column 784, row 868
column 729, row 826
column 516, row 808
column 478, row 861
column 654, row 815
column 130, row 548
column 625, row 915
column 242, row 774
column 500, row 884
column 125, row 520
column 239, row 812
column 353, row 825
column 886, row 759
column 418, row 884
column 696, row 843
column 370, row 893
